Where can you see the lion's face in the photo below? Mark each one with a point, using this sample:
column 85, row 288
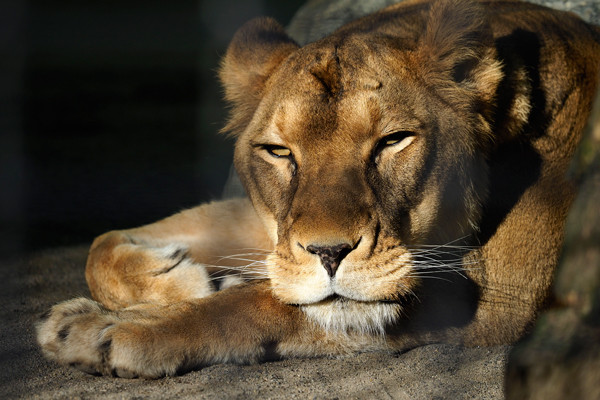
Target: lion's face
column 355, row 154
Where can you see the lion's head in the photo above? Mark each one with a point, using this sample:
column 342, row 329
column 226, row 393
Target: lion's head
column 360, row 147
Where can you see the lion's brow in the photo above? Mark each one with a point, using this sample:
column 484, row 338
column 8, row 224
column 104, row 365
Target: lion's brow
column 327, row 70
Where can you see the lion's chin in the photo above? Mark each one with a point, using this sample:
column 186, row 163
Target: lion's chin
column 338, row 313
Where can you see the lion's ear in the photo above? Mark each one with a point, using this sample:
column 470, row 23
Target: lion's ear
column 457, row 46
column 256, row 49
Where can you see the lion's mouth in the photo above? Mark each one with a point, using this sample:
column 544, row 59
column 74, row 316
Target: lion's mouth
column 334, row 297
column 340, row 299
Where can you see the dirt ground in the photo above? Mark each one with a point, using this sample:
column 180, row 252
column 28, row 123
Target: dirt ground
column 30, row 285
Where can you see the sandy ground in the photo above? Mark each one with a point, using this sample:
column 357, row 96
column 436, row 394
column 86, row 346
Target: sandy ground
column 31, row 285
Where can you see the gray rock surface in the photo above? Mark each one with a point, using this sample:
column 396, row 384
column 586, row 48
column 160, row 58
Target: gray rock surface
column 589, row 10
column 318, row 18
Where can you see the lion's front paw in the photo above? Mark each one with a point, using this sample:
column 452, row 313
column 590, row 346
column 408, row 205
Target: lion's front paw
column 122, row 272
column 172, row 275
column 74, row 333
column 83, row 334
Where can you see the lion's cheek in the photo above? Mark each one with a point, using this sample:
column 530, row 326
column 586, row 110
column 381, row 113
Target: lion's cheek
column 423, row 220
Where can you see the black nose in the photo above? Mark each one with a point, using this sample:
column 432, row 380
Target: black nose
column 331, row 256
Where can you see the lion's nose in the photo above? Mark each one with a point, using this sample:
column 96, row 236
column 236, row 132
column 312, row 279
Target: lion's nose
column 331, row 256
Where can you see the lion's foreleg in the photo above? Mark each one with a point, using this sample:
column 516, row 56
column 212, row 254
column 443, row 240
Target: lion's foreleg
column 240, row 324
column 177, row 258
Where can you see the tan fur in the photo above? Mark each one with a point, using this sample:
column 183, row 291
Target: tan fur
column 419, row 196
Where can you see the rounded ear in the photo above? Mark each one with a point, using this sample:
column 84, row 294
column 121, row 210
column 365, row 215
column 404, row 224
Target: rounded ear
column 255, row 51
column 457, row 53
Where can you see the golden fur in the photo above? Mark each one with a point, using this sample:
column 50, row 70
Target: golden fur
column 407, row 185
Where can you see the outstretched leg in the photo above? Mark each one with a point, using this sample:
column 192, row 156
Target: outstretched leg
column 239, row 324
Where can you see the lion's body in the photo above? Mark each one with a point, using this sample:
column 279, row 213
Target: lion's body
column 407, row 184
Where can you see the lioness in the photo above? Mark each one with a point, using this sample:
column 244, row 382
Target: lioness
column 406, row 182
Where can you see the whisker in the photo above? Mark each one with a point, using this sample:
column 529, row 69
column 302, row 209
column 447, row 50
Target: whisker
column 264, row 251
column 439, row 278
column 239, row 256
column 246, row 260
column 450, row 243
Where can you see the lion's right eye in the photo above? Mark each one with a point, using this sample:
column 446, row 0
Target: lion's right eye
column 278, row 151
column 399, row 139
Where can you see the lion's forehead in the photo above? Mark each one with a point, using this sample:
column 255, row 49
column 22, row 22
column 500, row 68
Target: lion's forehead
column 343, row 77
column 308, row 116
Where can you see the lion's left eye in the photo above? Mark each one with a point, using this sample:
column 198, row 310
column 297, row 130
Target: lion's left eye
column 392, row 141
column 401, row 139
column 278, row 151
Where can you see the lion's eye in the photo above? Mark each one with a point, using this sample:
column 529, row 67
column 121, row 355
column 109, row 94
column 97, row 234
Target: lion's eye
column 396, row 138
column 390, row 142
column 278, row 151
column 401, row 139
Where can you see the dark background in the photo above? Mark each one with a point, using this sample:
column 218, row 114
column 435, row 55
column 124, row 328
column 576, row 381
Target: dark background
column 109, row 113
